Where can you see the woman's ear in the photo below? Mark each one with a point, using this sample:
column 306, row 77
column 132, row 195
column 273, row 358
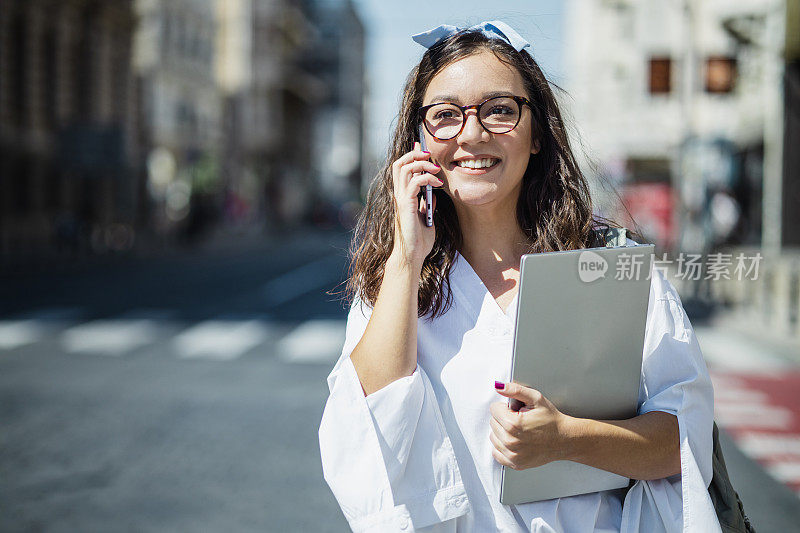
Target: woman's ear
column 536, row 147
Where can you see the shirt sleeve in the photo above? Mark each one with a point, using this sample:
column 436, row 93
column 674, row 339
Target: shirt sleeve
column 387, row 456
column 675, row 380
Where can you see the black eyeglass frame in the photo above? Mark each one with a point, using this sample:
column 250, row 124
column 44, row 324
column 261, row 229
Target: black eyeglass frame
column 521, row 100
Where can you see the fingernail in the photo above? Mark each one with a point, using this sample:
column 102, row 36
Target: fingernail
column 499, row 385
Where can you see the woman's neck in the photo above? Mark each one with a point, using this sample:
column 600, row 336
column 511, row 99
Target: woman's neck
column 489, row 241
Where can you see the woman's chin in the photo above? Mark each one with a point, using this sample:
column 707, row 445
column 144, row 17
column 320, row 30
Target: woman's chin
column 475, row 193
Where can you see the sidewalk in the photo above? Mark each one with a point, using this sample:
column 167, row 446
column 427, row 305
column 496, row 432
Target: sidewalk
column 757, row 403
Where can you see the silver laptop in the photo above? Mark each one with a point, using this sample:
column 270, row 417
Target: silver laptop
column 578, row 339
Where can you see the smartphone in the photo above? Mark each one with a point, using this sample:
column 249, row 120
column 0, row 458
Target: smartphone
column 428, row 188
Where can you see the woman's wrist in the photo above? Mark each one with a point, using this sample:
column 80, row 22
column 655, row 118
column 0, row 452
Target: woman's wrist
column 574, row 434
column 643, row 447
column 401, row 265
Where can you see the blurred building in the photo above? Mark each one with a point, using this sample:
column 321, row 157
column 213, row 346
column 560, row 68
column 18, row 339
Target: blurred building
column 681, row 104
column 339, row 62
column 68, row 110
column 292, row 75
column 248, row 71
column 269, row 108
column 301, row 91
column 181, row 126
column 142, row 119
column 791, row 165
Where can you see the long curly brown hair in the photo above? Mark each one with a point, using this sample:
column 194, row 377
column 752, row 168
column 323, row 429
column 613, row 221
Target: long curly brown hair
column 554, row 208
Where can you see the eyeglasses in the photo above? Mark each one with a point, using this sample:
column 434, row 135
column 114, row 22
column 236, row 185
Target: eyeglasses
column 499, row 114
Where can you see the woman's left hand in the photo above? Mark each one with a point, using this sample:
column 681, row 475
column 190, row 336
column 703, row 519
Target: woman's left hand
column 533, row 436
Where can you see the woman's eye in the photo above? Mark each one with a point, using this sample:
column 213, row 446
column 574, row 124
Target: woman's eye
column 501, row 110
column 443, row 115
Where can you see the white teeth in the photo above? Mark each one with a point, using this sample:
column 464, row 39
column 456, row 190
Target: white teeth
column 476, row 163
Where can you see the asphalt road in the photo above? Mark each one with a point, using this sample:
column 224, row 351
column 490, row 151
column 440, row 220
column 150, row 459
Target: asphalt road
column 184, row 393
column 126, row 403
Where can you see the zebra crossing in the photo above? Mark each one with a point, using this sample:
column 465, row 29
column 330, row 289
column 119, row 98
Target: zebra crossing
column 755, row 396
column 108, row 337
column 756, row 401
column 761, row 412
column 220, row 339
column 14, row 333
column 314, row 341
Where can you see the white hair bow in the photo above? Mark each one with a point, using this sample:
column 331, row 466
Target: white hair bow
column 494, row 29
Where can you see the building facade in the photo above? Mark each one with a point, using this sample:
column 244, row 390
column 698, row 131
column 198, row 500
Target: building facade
column 68, row 117
column 181, row 125
column 681, row 104
column 339, row 61
column 156, row 120
column 292, row 76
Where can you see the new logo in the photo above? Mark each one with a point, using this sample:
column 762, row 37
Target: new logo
column 591, row 266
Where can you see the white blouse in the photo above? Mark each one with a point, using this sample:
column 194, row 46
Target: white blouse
column 416, row 455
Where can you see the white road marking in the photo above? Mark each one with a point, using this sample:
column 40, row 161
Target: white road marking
column 313, row 341
column 220, row 339
column 737, row 395
column 738, row 406
column 109, row 337
column 15, row 333
column 751, row 415
column 785, row 471
column 727, row 351
column 301, row 280
column 725, row 381
column 32, row 326
column 765, row 445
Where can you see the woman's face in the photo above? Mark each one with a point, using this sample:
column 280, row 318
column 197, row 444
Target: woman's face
column 468, row 81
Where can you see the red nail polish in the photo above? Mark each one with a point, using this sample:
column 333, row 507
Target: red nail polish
column 499, row 385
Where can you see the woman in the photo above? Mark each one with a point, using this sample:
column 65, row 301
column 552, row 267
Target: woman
column 415, row 433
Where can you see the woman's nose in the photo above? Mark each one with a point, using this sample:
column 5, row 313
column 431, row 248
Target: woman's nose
column 473, row 131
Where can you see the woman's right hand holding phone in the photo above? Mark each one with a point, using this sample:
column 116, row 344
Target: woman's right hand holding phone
column 413, row 239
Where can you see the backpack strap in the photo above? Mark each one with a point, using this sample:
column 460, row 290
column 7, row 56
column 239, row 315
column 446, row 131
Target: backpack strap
column 614, row 237
column 727, row 504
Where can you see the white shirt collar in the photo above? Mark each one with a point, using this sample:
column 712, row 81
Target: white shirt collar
column 475, row 292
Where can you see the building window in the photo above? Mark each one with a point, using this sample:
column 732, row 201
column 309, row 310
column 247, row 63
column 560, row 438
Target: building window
column 648, row 170
column 720, row 74
column 50, row 78
column 83, row 81
column 166, row 35
column 18, row 70
column 660, row 75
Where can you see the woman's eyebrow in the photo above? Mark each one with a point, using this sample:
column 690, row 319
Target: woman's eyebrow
column 456, row 100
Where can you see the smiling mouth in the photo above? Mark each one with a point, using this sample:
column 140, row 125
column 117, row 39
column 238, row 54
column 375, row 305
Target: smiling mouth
column 477, row 164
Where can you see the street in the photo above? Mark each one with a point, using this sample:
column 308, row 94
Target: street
column 169, row 395
column 184, row 393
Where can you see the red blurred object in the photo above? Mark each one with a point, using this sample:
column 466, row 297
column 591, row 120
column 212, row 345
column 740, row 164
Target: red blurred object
column 651, row 206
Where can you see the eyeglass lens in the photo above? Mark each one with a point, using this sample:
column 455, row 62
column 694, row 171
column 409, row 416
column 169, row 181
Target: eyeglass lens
column 498, row 115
